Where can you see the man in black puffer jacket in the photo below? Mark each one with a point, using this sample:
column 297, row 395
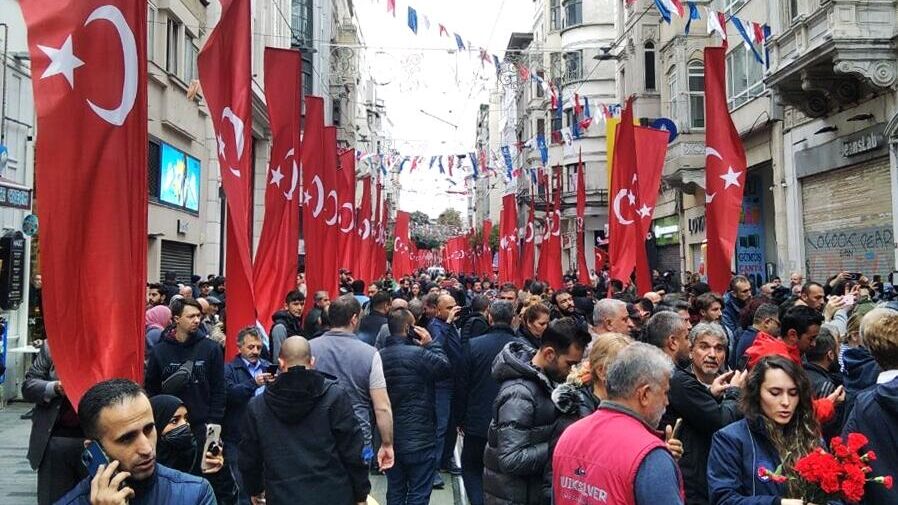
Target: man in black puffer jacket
column 412, row 363
column 301, row 441
column 518, row 457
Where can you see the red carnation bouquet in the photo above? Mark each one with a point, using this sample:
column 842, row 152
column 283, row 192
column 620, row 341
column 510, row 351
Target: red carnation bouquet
column 840, row 474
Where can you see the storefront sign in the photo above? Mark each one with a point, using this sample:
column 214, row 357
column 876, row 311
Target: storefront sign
column 15, row 196
column 695, row 225
column 862, row 143
column 667, row 231
column 750, row 244
column 12, row 270
column 851, row 149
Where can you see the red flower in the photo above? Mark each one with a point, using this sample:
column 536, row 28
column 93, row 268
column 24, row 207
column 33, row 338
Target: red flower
column 856, row 441
column 839, row 448
column 870, row 456
column 885, row 481
column 853, row 485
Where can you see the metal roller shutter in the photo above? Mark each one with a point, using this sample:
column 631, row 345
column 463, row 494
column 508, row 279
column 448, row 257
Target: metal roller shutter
column 177, row 257
column 848, row 221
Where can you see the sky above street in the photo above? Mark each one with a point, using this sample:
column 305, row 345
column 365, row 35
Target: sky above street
column 425, row 72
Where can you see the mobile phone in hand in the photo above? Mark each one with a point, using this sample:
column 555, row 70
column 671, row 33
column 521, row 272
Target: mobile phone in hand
column 213, row 442
column 93, row 456
column 272, row 370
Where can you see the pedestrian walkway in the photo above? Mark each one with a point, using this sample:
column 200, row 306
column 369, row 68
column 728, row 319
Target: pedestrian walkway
column 18, row 483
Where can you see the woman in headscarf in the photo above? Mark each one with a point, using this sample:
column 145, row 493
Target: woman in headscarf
column 157, row 318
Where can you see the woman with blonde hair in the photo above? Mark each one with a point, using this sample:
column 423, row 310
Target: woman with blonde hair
column 604, row 350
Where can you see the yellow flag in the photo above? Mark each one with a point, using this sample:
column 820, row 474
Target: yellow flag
column 610, row 134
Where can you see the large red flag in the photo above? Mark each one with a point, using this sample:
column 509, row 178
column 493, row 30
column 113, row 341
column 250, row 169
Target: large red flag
column 528, row 258
column 380, row 267
column 332, row 207
column 486, row 253
column 377, row 261
column 274, row 270
column 346, row 196
column 725, row 169
column 93, row 183
column 582, row 268
column 318, row 182
column 652, row 149
column 401, row 247
column 225, row 72
column 624, row 233
column 364, row 236
column 508, row 239
column 554, row 276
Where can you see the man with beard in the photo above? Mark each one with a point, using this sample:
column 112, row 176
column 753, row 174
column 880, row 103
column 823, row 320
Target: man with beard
column 703, row 398
column 518, row 454
column 634, row 465
column 734, row 301
column 563, row 305
column 611, row 316
column 287, row 322
column 312, row 327
column 116, row 414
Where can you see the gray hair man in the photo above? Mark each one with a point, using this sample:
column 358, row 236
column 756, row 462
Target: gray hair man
column 703, row 398
column 638, row 381
column 668, row 332
column 611, row 316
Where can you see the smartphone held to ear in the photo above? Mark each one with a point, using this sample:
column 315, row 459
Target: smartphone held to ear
column 92, row 457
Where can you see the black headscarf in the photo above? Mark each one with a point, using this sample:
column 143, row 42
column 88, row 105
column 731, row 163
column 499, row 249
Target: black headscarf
column 177, row 448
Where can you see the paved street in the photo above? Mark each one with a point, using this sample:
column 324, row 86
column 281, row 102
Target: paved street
column 18, row 483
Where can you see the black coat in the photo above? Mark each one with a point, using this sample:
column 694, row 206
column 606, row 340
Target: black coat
column 301, row 439
column 370, row 326
column 311, row 327
column 205, row 396
column 702, row 415
column 475, row 326
column 410, row 371
column 875, row 415
column 478, row 388
column 241, row 387
column 525, row 335
column 518, row 458
column 823, row 383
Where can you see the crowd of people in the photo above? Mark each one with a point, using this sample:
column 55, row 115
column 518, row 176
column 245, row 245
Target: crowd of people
column 561, row 396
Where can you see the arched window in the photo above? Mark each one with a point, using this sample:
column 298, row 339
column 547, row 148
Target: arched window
column 649, row 63
column 695, row 76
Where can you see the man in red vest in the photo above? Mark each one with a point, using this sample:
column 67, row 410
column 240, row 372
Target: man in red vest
column 633, row 467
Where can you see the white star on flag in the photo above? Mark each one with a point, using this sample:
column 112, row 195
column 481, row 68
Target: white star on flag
column 631, row 197
column 306, row 197
column 731, row 178
column 644, row 211
column 276, row 177
column 62, row 61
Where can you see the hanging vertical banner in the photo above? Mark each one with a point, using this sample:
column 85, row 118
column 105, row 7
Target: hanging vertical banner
column 225, row 70
column 402, row 264
column 347, row 217
column 93, row 184
column 509, row 164
column 486, row 254
column 412, row 20
column 725, row 173
column 650, row 153
column 364, row 249
column 528, row 256
column 508, row 239
column 582, row 268
column 624, row 237
column 274, row 270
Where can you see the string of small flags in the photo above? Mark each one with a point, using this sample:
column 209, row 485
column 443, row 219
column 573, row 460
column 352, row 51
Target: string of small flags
column 754, row 35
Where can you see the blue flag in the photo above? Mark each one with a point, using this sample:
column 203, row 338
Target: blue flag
column 693, row 14
column 474, row 165
column 543, row 148
column 440, row 160
column 741, row 29
column 413, row 19
column 665, row 13
column 433, row 159
column 509, row 164
column 461, row 45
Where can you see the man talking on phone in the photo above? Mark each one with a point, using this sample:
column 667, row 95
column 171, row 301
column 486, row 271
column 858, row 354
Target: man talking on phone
column 117, row 418
column 446, row 334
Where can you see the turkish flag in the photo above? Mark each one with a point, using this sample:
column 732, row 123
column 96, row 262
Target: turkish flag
column 332, row 207
column 624, row 228
column 364, row 236
column 318, row 184
column 582, row 269
column 276, row 256
column 508, row 239
column 725, row 169
column 528, row 256
column 486, row 253
column 553, row 275
column 380, row 266
column 86, row 56
column 347, row 215
column 650, row 153
column 401, row 261
column 225, row 71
